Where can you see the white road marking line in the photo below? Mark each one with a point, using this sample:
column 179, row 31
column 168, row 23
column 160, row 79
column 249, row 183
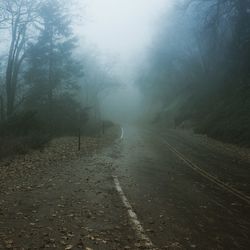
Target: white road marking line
column 133, row 217
column 122, row 134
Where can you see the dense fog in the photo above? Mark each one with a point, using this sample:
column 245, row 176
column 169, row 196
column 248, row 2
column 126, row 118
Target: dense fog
column 124, row 124
column 172, row 63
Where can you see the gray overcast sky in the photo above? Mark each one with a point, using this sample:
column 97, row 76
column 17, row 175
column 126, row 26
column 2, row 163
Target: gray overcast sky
column 121, row 29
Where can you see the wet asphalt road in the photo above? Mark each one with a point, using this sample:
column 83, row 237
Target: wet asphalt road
column 179, row 208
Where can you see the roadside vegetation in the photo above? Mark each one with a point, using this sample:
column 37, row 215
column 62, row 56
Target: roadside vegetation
column 45, row 90
column 197, row 74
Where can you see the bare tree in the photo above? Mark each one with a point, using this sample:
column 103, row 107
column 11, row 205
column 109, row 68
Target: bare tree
column 17, row 16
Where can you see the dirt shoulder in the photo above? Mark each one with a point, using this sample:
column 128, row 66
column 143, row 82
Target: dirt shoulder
column 62, row 199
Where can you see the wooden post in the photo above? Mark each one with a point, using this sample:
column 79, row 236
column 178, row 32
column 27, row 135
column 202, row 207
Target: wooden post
column 79, row 138
column 79, row 131
column 103, row 127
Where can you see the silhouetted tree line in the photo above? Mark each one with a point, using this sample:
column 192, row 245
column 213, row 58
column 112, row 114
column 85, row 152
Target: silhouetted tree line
column 199, row 68
column 40, row 78
column 40, row 73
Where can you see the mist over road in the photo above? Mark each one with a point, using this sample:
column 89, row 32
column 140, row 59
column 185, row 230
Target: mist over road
column 72, row 71
column 177, row 206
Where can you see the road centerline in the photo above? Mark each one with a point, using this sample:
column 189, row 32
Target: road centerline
column 207, row 175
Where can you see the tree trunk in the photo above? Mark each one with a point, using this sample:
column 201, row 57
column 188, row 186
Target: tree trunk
column 241, row 31
column 50, row 78
column 9, row 70
column 14, row 63
column 11, row 86
column 2, row 117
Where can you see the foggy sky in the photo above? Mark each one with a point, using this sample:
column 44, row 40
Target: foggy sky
column 120, row 30
column 120, row 33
